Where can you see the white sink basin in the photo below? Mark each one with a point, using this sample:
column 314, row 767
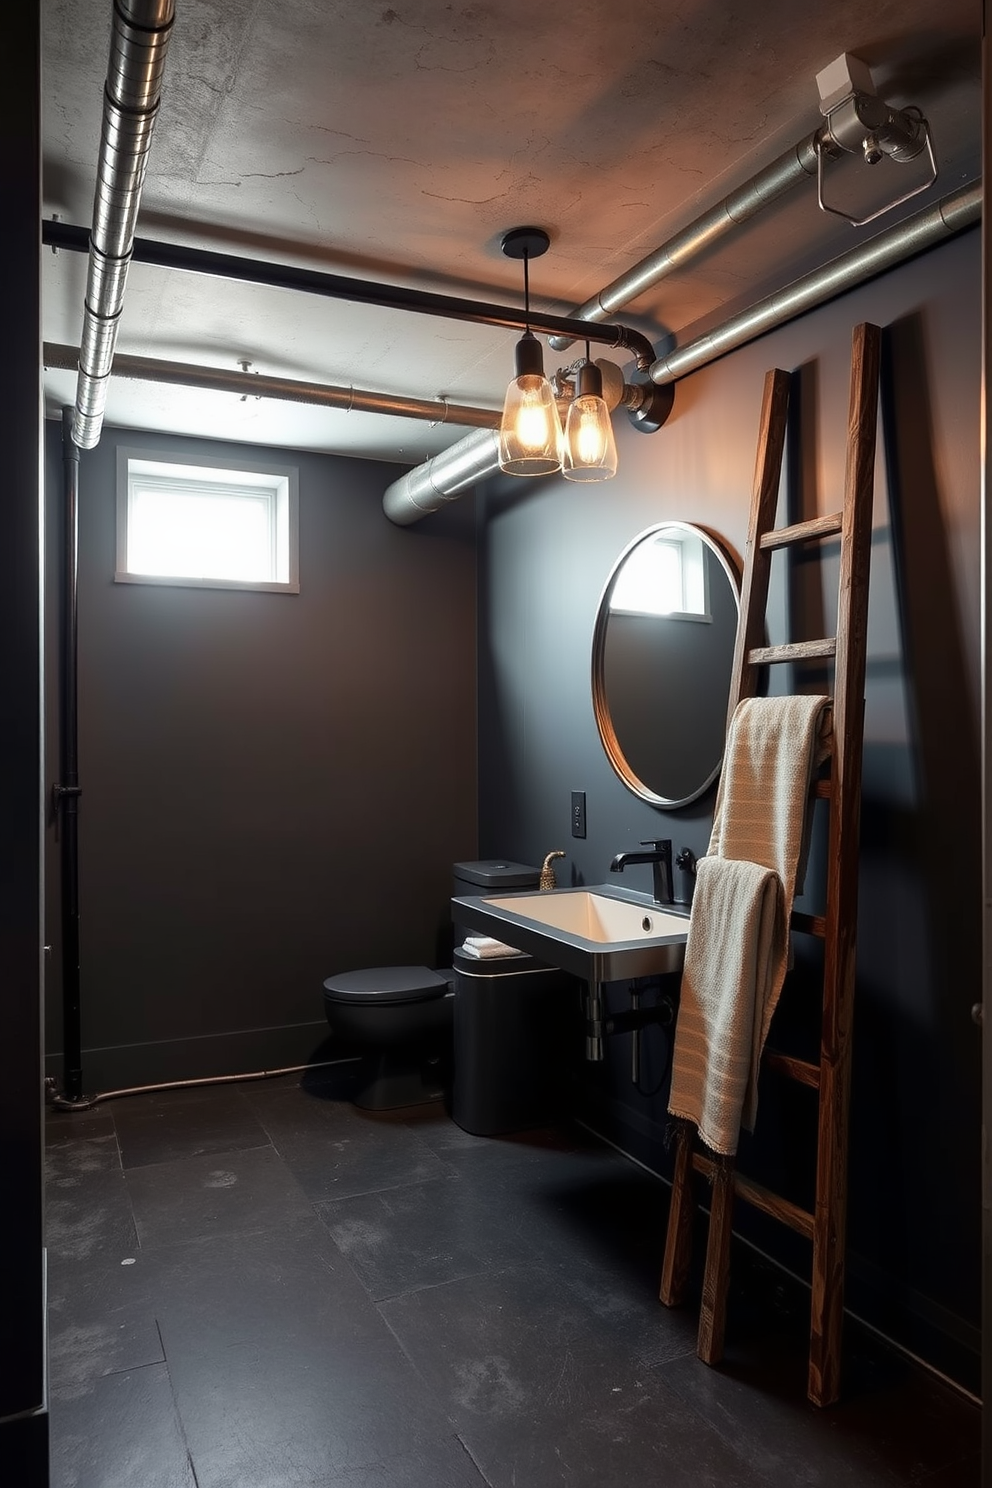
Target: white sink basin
column 601, row 934
column 593, row 916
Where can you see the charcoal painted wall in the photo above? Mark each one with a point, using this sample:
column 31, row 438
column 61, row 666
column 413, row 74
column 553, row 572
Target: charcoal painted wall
column 546, row 553
column 274, row 786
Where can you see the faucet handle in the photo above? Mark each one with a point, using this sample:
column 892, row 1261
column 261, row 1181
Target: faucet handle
column 662, row 844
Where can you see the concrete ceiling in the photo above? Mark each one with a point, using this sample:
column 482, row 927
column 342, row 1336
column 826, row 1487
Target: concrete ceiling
column 401, row 143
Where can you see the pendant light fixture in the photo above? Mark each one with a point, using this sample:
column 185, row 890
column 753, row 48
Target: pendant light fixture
column 530, row 435
column 590, row 451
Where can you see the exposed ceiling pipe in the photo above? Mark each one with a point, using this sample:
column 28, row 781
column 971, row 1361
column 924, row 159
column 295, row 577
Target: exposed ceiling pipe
column 358, row 291
column 139, row 42
column 429, row 486
column 258, row 385
column 442, row 478
column 950, row 215
column 795, row 165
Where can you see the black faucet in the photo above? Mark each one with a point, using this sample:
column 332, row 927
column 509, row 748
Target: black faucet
column 660, row 858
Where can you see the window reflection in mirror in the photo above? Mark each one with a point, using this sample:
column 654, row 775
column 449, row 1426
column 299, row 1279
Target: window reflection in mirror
column 662, row 658
column 664, row 575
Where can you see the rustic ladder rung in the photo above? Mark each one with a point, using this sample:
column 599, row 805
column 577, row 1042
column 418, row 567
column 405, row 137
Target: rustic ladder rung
column 808, row 924
column 817, row 527
column 800, row 1070
column 792, row 651
column 761, row 1198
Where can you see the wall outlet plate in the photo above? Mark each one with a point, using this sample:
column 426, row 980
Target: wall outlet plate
column 578, row 813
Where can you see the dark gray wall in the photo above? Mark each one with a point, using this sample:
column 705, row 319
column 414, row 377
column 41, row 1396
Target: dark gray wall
column 546, row 553
column 274, row 785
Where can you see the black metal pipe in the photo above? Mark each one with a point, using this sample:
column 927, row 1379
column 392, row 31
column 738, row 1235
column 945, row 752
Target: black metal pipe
column 66, row 794
column 633, row 1019
column 361, row 291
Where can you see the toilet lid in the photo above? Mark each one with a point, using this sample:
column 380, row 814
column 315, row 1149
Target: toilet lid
column 386, row 984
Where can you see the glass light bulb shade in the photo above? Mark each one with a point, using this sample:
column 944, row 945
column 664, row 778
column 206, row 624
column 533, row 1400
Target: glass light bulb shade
column 530, row 433
column 590, row 452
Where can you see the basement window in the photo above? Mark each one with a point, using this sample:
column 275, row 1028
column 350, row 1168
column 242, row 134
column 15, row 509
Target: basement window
column 205, row 525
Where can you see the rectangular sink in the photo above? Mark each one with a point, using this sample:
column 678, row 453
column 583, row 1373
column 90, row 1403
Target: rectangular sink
column 585, row 913
column 600, row 934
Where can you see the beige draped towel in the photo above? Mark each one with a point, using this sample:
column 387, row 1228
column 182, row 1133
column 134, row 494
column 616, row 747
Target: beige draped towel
column 738, row 942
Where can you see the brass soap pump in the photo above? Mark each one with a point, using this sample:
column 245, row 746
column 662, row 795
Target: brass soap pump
column 548, row 880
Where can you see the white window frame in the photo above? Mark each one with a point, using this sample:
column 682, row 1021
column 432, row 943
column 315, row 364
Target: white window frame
column 691, row 584
column 277, row 485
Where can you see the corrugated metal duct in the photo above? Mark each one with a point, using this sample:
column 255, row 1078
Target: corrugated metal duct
column 430, row 486
column 139, row 42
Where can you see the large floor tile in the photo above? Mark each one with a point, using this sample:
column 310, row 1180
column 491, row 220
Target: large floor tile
column 892, row 1426
column 169, row 1124
column 966, row 1473
column 90, row 1216
column 69, row 1162
column 283, row 1370
column 121, row 1432
column 404, row 1238
column 540, row 1398
column 227, row 1193
column 446, row 1465
column 432, row 1233
column 101, row 1319
column 333, row 1149
column 71, row 1126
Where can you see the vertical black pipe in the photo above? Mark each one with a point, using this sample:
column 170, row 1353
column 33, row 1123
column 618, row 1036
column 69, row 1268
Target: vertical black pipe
column 67, row 792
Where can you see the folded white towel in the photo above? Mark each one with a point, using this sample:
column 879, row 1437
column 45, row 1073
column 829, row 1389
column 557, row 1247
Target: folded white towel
column 484, row 947
column 734, row 968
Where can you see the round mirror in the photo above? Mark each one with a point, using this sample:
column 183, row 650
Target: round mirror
column 663, row 652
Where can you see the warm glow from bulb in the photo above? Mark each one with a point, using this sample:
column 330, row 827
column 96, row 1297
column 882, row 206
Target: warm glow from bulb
column 590, row 444
column 530, row 431
column 532, row 424
column 590, row 451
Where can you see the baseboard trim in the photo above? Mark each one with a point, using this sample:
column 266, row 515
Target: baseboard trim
column 208, row 1055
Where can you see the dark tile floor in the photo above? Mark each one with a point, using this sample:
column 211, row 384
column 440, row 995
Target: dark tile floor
column 259, row 1286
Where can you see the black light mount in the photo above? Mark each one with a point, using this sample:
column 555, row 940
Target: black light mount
column 525, row 242
column 648, row 404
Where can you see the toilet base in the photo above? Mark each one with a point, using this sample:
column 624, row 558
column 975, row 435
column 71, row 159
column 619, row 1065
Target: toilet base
column 393, row 1078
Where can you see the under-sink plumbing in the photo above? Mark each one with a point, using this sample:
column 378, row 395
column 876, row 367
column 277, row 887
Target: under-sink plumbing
column 601, row 1024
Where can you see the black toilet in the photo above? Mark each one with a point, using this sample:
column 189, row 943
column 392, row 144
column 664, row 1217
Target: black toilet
column 401, row 1017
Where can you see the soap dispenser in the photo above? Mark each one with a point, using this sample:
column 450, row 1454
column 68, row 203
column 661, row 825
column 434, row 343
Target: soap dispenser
column 548, row 880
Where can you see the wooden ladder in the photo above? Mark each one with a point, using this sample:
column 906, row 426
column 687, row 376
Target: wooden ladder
column 825, row 1227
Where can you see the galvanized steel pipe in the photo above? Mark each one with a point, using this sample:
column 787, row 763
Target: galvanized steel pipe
column 139, row 43
column 795, row 165
column 950, row 215
column 289, row 390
